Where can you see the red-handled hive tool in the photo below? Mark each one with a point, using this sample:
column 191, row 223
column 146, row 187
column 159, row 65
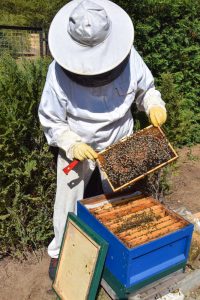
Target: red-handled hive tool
column 71, row 166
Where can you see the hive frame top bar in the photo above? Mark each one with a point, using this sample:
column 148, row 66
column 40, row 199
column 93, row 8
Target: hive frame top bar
column 132, row 198
column 127, row 196
column 100, row 158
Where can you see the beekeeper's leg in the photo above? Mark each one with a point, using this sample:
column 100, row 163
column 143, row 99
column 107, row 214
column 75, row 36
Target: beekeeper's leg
column 70, row 189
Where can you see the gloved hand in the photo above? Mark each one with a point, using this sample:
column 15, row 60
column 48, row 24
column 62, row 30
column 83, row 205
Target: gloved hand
column 83, row 151
column 157, row 115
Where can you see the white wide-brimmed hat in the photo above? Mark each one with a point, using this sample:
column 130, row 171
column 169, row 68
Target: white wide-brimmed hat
column 90, row 37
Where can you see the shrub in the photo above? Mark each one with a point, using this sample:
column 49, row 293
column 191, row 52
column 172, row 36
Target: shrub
column 167, row 34
column 181, row 127
column 27, row 177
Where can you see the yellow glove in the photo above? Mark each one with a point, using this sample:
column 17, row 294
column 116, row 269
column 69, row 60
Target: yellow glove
column 82, row 151
column 157, row 115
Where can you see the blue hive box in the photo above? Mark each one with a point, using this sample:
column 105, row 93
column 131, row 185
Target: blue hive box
column 128, row 269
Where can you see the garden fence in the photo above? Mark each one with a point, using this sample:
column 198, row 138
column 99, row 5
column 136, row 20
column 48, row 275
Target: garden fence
column 26, row 42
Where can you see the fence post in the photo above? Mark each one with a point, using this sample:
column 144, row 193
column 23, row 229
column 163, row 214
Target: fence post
column 41, row 43
column 46, row 43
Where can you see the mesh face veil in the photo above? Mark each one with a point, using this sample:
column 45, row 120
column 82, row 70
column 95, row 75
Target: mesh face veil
column 101, row 79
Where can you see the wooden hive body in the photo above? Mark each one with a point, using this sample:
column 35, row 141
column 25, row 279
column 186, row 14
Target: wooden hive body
column 139, row 252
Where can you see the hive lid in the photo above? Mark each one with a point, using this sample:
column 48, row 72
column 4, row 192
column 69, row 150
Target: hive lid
column 81, row 261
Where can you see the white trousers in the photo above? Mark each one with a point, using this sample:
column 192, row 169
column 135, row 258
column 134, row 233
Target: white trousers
column 70, row 189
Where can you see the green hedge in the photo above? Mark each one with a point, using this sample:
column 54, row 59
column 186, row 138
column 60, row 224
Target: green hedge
column 167, row 36
column 27, row 177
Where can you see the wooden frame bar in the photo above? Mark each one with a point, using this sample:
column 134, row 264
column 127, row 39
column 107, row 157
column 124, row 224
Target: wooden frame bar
column 100, row 160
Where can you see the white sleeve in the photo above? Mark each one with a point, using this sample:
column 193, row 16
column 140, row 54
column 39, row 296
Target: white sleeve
column 146, row 94
column 53, row 118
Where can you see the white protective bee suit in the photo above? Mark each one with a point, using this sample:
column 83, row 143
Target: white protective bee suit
column 98, row 116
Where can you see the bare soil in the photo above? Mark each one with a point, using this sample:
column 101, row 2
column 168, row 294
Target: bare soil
column 29, row 280
column 26, row 280
column 184, row 181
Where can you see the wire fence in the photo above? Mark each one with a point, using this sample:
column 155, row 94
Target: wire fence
column 26, row 42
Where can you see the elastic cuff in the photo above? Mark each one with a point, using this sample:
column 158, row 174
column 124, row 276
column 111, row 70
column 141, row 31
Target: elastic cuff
column 153, row 102
column 155, row 105
column 67, row 141
column 70, row 151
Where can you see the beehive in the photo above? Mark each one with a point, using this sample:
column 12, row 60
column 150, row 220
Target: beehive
column 136, row 156
column 146, row 240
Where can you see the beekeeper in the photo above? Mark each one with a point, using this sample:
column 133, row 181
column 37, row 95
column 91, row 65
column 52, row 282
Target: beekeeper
column 86, row 103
